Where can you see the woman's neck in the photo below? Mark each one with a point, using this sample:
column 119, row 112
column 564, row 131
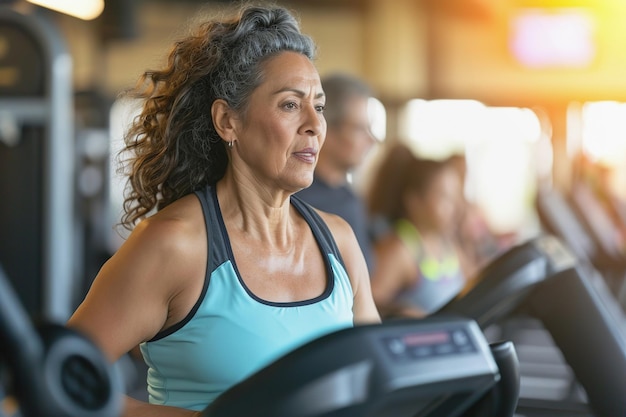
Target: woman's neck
column 256, row 211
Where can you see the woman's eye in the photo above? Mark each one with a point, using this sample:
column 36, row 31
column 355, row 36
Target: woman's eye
column 291, row 105
column 320, row 109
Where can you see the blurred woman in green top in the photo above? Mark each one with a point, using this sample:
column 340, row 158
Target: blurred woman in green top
column 419, row 266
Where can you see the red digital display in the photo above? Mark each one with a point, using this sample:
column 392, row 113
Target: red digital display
column 421, row 339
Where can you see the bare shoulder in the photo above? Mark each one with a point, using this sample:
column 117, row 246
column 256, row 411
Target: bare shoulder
column 152, row 281
column 390, row 244
column 364, row 308
column 173, row 243
column 340, row 228
column 177, row 227
column 348, row 246
column 393, row 257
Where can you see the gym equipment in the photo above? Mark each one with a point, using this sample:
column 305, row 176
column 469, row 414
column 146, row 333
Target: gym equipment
column 600, row 227
column 401, row 368
column 55, row 372
column 564, row 217
column 37, row 223
column 559, row 219
column 542, row 277
column 507, row 282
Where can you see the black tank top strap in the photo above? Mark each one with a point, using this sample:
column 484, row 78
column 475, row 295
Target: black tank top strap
column 218, row 250
column 319, row 227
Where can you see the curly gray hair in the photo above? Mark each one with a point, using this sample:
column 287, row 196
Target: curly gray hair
column 175, row 147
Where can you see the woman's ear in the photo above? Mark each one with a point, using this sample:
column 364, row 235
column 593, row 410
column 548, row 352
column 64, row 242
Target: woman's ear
column 224, row 120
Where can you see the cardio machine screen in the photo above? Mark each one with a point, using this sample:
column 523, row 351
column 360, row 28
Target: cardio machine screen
column 426, row 345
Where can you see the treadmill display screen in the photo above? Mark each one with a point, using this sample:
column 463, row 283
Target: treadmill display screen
column 423, row 345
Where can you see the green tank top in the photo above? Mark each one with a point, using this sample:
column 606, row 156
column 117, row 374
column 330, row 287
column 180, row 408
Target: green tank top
column 439, row 280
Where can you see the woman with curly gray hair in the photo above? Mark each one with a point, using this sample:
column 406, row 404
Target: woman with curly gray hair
column 225, row 269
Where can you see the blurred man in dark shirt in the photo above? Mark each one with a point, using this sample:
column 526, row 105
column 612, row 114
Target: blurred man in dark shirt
column 348, row 140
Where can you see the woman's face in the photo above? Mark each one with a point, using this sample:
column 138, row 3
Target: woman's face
column 351, row 139
column 280, row 133
column 437, row 207
column 443, row 198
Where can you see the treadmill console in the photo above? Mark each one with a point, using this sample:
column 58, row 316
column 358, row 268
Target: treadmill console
column 429, row 345
column 401, row 368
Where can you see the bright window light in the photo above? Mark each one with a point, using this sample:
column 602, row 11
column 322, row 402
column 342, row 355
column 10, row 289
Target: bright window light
column 501, row 146
column 378, row 118
column 121, row 115
column 514, row 123
column 82, row 9
column 604, row 132
column 438, row 128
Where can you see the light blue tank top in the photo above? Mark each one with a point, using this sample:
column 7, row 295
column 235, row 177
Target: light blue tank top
column 231, row 333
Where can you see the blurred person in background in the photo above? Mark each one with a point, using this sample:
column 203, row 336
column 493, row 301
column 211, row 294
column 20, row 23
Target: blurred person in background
column 419, row 264
column 348, row 140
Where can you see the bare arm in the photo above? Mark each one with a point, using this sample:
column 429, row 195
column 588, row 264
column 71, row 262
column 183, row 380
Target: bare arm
column 394, row 271
column 364, row 308
column 128, row 302
column 136, row 408
column 146, row 286
column 468, row 267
